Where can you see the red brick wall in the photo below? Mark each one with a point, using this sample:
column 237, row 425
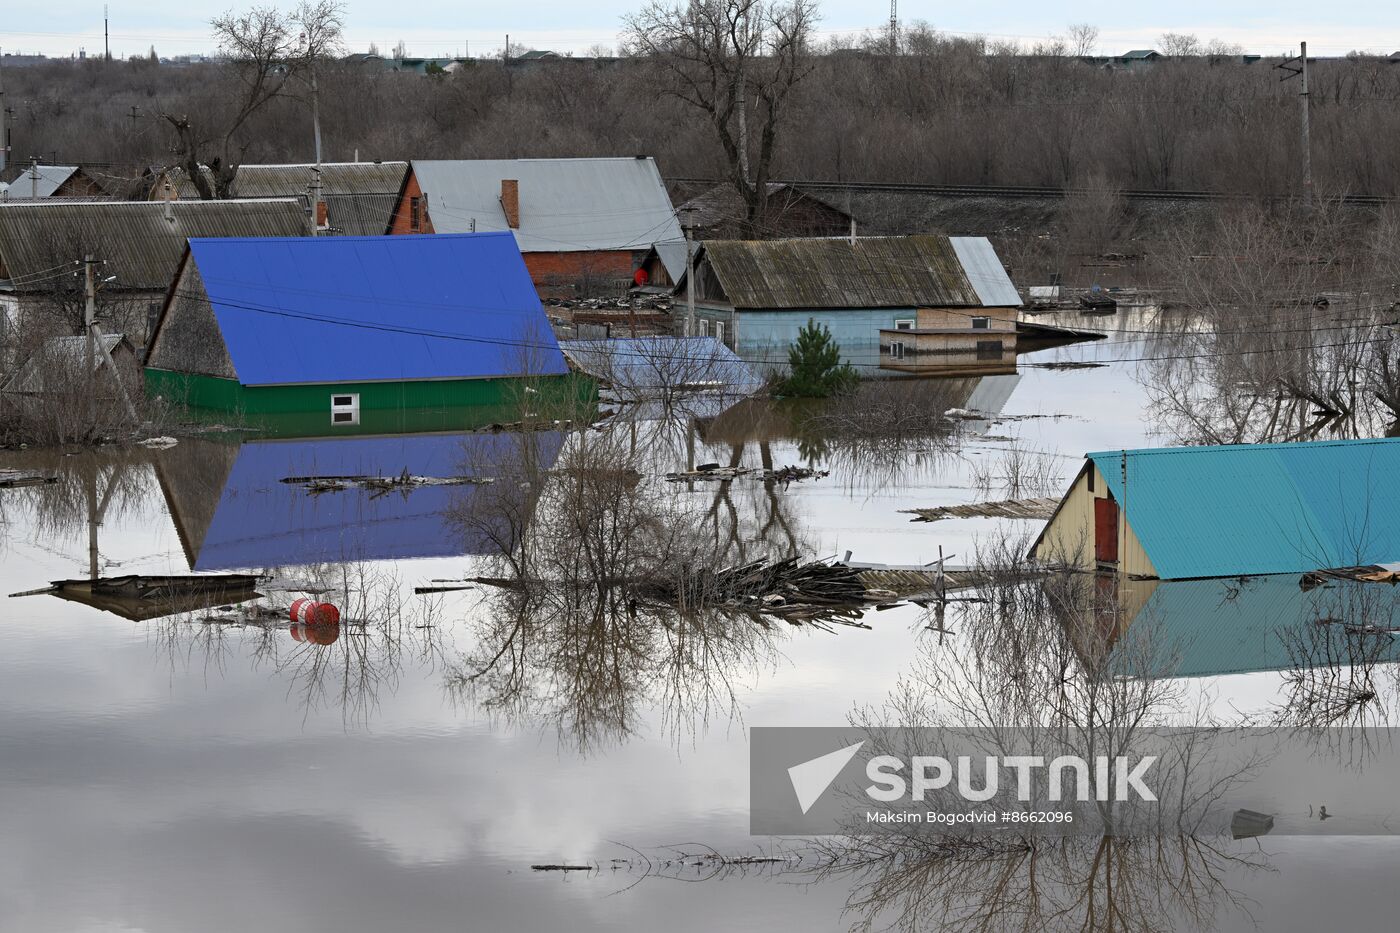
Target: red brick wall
column 403, row 220
column 568, row 268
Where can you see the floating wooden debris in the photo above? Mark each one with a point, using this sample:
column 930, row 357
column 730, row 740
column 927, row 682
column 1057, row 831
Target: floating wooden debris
column 1006, row 508
column 717, row 473
column 1370, row 573
column 380, row 485
column 14, row 479
column 139, row 597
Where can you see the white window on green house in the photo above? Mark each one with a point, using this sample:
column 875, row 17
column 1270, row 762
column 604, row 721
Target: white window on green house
column 345, row 408
column 904, row 323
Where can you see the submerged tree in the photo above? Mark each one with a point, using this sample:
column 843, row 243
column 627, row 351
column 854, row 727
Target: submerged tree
column 817, row 370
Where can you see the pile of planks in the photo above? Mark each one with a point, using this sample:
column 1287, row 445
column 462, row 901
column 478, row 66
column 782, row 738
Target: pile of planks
column 813, row 592
column 1007, row 508
column 379, row 485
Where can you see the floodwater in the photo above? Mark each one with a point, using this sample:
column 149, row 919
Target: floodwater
column 179, row 774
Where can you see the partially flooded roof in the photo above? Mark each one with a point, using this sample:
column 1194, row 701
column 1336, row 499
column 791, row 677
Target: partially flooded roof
column 867, row 272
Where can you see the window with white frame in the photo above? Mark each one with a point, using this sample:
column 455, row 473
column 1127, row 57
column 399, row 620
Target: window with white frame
column 719, row 331
column 704, row 328
column 345, row 408
column 904, row 323
column 897, row 350
column 981, row 323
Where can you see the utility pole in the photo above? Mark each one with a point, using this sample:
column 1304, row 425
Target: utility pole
column 93, row 333
column 1307, row 131
column 34, row 178
column 4, row 122
column 1295, row 72
column 106, row 45
column 316, row 114
column 894, row 27
column 317, row 209
column 689, row 276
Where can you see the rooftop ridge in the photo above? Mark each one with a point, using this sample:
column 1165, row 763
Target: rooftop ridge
column 1206, row 448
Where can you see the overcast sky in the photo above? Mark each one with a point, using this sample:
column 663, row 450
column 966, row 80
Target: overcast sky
column 445, row 27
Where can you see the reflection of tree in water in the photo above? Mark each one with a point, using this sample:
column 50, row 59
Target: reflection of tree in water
column 347, row 665
column 1342, row 662
column 602, row 607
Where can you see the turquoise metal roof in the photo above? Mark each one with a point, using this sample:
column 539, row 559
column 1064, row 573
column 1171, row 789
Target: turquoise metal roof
column 1260, row 508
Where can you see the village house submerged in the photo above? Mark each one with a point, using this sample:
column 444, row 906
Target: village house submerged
column 351, row 330
column 1180, row 513
column 891, row 303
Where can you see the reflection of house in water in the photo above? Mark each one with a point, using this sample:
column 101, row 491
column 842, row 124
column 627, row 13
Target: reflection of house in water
column 1182, row 513
column 232, row 510
column 1202, row 628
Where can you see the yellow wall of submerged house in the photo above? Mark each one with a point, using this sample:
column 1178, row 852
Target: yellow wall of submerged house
column 1069, row 536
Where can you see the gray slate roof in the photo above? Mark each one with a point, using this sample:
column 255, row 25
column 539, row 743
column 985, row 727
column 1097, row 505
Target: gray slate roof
column 137, row 242
column 872, row 272
column 51, row 177
column 566, row 205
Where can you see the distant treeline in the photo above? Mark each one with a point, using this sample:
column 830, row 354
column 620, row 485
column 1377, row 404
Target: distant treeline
column 943, row 111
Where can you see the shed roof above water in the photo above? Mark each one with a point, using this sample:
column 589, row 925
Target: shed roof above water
column 367, row 309
column 648, row 367
column 868, row 272
column 1260, row 508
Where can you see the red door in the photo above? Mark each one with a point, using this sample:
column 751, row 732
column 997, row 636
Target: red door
column 1106, row 531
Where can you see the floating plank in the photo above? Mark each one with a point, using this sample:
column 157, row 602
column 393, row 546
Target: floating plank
column 1006, row 508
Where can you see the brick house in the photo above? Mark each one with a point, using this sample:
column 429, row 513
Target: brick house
column 583, row 225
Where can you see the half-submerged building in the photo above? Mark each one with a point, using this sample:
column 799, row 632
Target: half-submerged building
column 345, row 325
column 1179, row 513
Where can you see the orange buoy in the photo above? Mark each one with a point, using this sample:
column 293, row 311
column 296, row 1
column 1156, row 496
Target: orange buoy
column 311, row 612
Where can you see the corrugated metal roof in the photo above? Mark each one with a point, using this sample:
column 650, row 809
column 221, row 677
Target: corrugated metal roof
column 51, row 178
column 1260, row 508
column 337, row 178
column 871, row 272
column 358, row 309
column 566, row 205
column 1267, row 623
column 138, row 242
column 984, row 270
column 642, row 367
column 262, row 522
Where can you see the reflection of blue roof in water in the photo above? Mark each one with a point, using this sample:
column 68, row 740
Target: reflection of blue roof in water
column 263, row 522
column 1229, row 626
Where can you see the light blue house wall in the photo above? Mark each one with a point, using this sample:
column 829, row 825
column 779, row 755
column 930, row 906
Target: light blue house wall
column 762, row 338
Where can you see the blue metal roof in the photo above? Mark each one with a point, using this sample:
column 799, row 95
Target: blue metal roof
column 262, row 522
column 365, row 309
column 1212, row 627
column 1260, row 508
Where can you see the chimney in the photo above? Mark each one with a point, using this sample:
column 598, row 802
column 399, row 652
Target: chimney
column 510, row 202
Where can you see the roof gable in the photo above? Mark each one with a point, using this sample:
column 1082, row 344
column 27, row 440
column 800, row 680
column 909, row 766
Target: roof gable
column 363, row 309
column 1260, row 508
column 869, row 272
column 566, row 205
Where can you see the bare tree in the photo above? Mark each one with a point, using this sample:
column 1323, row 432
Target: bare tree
column 725, row 57
column 267, row 50
column 1083, row 39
